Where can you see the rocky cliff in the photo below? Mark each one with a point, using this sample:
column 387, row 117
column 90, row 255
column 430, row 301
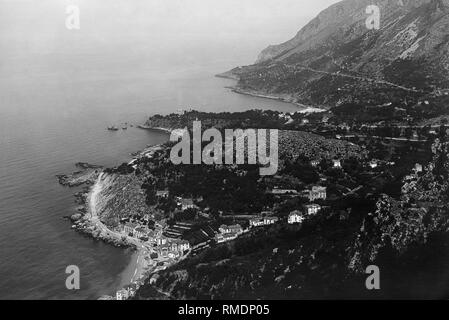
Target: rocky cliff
column 336, row 58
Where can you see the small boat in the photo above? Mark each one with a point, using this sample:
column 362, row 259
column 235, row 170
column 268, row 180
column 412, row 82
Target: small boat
column 113, row 128
column 124, row 128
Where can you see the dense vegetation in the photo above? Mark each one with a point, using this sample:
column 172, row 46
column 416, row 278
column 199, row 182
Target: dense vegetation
column 325, row 257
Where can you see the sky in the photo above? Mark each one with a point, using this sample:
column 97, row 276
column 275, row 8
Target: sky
column 30, row 28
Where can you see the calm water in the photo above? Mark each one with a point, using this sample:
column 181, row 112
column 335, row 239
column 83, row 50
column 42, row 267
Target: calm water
column 60, row 89
column 54, row 111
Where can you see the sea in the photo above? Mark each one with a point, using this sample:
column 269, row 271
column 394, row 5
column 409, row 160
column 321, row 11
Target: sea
column 55, row 107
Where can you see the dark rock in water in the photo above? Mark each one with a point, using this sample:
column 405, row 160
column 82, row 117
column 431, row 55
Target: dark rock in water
column 80, row 198
column 86, row 176
column 76, row 217
column 85, row 165
column 82, row 210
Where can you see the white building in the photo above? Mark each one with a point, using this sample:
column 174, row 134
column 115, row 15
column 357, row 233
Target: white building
column 140, row 232
column 128, row 228
column 236, row 228
column 220, row 238
column 373, row 164
column 165, row 250
column 186, row 204
column 270, row 220
column 262, row 221
column 337, row 163
column 418, row 168
column 295, row 217
column 162, row 240
column 122, row 294
column 256, row 222
column 312, row 209
column 180, row 245
column 315, row 162
column 162, row 194
column 283, row 192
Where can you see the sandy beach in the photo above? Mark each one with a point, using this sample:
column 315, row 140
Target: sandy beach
column 139, row 263
column 136, row 269
column 305, row 108
column 172, row 132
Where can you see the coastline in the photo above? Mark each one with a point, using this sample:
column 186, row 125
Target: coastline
column 172, row 132
column 93, row 219
column 305, row 108
column 287, row 99
column 166, row 130
column 91, row 222
column 141, row 265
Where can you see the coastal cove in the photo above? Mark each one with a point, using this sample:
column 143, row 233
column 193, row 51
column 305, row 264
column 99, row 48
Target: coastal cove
column 107, row 186
column 37, row 147
column 154, row 150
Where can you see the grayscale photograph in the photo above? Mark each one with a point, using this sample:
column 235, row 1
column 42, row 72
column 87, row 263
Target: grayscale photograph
column 224, row 151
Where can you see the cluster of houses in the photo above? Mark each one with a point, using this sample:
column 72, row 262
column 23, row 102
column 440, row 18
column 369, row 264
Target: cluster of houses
column 336, row 163
column 127, row 292
column 299, row 217
column 182, row 203
column 231, row 232
column 295, row 217
column 172, row 248
column 185, row 204
column 313, row 194
column 316, row 193
column 165, row 246
column 137, row 230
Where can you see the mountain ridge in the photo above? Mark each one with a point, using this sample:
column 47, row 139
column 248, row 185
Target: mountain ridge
column 409, row 51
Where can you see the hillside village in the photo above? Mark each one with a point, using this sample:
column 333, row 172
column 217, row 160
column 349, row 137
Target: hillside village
column 325, row 170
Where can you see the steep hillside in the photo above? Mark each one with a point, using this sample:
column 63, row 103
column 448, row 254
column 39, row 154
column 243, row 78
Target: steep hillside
column 326, row 257
column 336, row 58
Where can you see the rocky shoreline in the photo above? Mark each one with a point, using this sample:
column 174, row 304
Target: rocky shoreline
column 87, row 223
column 91, row 176
column 81, row 221
column 95, row 209
column 254, row 93
column 85, row 176
column 283, row 98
